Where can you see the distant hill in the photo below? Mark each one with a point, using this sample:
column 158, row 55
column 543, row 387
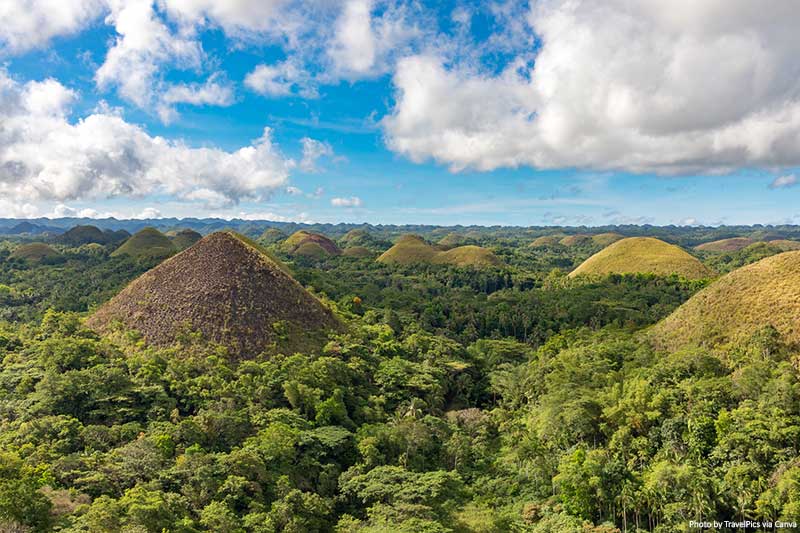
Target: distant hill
column 547, row 240
column 412, row 249
column 308, row 244
column 604, row 239
column 765, row 293
column 29, row 228
column 451, row 240
column 226, row 288
column 80, row 235
column 725, row 245
column 643, row 255
column 358, row 251
column 148, row 243
column 272, row 236
column 785, row 245
column 34, row 252
column 575, row 240
column 362, row 238
column 184, row 238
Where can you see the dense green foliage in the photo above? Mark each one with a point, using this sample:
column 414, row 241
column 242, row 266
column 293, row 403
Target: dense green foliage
column 458, row 400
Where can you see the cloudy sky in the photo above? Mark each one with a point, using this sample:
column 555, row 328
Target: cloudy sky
column 402, row 111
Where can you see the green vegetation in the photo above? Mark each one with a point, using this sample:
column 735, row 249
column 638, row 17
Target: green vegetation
column 358, row 251
column 575, row 240
column 645, row 255
column 212, row 391
column 547, row 240
column 148, row 243
column 35, row 252
column 272, row 236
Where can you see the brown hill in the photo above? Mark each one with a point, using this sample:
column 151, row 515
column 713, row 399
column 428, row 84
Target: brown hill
column 765, row 293
column 725, row 245
column 229, row 290
column 298, row 240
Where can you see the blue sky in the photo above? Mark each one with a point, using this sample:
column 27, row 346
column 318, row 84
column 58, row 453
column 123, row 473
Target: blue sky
column 395, row 112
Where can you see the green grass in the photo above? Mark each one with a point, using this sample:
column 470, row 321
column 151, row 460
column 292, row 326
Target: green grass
column 185, row 238
column 575, row 240
column 738, row 304
column 785, row 244
column 470, row 255
column 643, row 255
column 606, row 239
column 147, row 243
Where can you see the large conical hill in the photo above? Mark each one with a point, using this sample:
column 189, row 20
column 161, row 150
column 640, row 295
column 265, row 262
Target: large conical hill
column 765, row 293
column 226, row 288
column 645, row 255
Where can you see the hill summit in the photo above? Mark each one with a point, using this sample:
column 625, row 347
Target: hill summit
column 147, row 243
column 229, row 290
column 645, row 255
column 765, row 293
column 314, row 245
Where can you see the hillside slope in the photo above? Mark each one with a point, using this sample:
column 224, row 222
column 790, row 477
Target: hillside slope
column 738, row 304
column 148, row 243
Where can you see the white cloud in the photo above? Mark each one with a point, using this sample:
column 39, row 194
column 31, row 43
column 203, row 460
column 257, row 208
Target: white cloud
column 212, row 92
column 354, row 43
column 643, row 87
column 273, row 217
column 281, row 79
column 144, row 44
column 148, row 212
column 783, row 182
column 294, row 191
column 312, row 151
column 46, row 157
column 353, row 201
column 26, row 24
column 65, row 211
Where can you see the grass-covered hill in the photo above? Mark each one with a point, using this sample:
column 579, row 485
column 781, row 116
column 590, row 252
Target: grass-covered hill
column 452, row 240
column 86, row 234
column 182, row 239
column 314, row 245
column 576, row 240
column 605, row 239
column 226, row 288
column 785, row 244
column 272, row 236
column 34, row 252
column 412, row 249
column 546, row 240
column 725, row 245
column 148, row 243
column 643, row 255
column 766, row 293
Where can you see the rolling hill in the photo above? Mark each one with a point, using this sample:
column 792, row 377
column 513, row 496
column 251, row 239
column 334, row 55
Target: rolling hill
column 148, row 243
column 546, row 240
column 642, row 255
column 575, row 240
column 272, row 236
column 184, row 238
column 412, row 249
column 34, row 252
column 604, row 239
column 309, row 244
column 725, row 245
column 82, row 235
column 229, row 290
column 785, row 244
column 765, row 293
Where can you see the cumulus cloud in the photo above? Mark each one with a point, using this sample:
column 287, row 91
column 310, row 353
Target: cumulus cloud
column 212, row 92
column 643, row 87
column 313, row 150
column 783, row 182
column 44, row 156
column 281, row 79
column 26, row 24
column 353, row 201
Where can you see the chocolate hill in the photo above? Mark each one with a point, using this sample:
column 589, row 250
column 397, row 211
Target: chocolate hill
column 229, row 290
column 765, row 293
column 413, row 249
column 147, row 243
column 309, row 244
column 184, row 238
